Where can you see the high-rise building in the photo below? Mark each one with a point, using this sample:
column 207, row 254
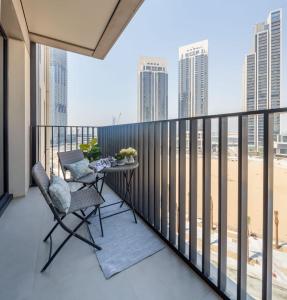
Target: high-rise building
column 58, row 86
column 152, row 89
column 193, row 80
column 262, row 76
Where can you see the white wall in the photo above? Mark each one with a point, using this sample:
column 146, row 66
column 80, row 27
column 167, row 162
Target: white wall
column 18, row 117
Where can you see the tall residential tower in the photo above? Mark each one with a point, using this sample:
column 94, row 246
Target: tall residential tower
column 262, row 76
column 193, row 80
column 152, row 89
column 58, row 86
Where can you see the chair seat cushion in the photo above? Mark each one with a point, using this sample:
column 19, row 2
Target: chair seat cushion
column 88, row 179
column 83, row 199
column 79, row 169
column 60, row 193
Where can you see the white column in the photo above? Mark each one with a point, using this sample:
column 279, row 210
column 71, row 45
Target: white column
column 18, row 117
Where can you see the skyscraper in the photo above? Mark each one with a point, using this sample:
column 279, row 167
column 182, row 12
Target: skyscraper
column 152, row 89
column 262, row 76
column 193, row 80
column 58, row 86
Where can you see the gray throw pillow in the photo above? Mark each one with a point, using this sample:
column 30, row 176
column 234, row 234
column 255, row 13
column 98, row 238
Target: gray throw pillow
column 60, row 193
column 79, row 169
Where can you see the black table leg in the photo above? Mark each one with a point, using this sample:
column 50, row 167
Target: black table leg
column 128, row 196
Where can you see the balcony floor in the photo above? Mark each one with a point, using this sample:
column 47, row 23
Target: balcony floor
column 75, row 272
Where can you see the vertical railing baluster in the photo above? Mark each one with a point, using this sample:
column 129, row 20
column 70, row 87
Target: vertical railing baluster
column 172, row 182
column 193, row 191
column 59, row 128
column 242, row 206
column 141, row 168
column 39, row 144
column 82, row 135
column 52, row 142
column 65, row 138
column 146, row 172
column 206, row 193
column 151, row 173
column 157, row 175
column 222, row 198
column 164, row 179
column 71, row 139
column 45, row 145
column 119, row 143
column 132, row 142
column 136, row 187
column 77, row 137
column 182, row 185
column 267, row 207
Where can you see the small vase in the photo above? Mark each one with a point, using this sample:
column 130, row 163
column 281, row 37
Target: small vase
column 130, row 160
column 122, row 162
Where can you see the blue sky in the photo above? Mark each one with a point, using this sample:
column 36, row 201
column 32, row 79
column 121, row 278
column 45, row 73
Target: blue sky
column 99, row 90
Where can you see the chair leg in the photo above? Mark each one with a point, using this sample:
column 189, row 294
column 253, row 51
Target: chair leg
column 71, row 233
column 100, row 218
column 82, row 218
column 82, row 187
column 52, row 230
column 51, row 258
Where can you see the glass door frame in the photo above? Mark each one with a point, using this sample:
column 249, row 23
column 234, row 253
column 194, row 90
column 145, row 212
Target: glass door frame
column 5, row 197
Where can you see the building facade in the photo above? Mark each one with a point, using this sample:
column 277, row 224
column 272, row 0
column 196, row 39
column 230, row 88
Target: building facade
column 262, row 76
column 58, row 87
column 152, row 89
column 193, row 80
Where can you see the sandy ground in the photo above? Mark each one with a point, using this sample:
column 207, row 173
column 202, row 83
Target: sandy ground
column 255, row 194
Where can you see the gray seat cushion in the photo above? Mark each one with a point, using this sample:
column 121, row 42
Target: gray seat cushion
column 83, row 199
column 89, row 179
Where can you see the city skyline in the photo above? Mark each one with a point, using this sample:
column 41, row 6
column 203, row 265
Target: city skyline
column 262, row 76
column 87, row 77
column 193, row 79
column 152, row 89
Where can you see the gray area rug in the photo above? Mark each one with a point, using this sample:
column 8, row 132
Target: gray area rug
column 125, row 243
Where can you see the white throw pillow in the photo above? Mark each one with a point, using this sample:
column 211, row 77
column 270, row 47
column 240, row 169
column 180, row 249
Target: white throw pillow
column 60, row 193
column 79, row 169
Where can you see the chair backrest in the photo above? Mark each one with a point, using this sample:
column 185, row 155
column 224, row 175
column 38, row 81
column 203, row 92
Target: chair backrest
column 42, row 180
column 69, row 157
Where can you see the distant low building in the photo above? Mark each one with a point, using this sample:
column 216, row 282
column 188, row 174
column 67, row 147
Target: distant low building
column 280, row 145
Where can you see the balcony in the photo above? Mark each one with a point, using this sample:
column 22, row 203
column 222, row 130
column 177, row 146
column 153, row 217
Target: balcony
column 195, row 189
column 209, row 187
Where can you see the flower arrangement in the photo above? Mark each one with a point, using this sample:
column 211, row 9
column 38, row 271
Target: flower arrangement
column 91, row 150
column 129, row 152
column 126, row 156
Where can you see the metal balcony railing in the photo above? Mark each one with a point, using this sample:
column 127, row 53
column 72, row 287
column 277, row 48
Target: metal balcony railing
column 174, row 191
column 48, row 140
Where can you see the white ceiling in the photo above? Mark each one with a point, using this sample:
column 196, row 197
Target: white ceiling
column 78, row 25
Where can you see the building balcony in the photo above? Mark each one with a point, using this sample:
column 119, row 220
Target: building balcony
column 203, row 189
column 211, row 188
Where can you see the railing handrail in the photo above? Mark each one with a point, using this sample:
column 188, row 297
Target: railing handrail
column 213, row 116
column 66, row 126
